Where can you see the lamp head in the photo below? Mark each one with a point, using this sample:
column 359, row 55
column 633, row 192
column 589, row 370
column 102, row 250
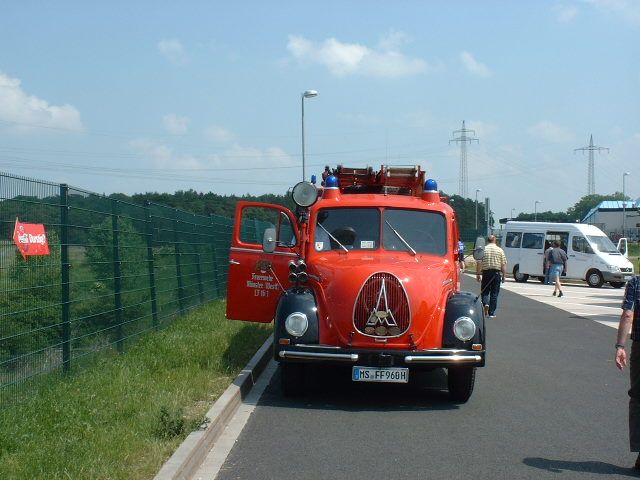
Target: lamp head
column 310, row 93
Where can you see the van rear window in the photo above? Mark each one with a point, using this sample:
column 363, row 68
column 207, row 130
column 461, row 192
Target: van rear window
column 533, row 240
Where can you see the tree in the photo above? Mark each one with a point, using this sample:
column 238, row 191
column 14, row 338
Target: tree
column 586, row 203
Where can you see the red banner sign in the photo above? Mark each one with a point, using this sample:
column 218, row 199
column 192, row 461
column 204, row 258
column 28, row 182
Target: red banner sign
column 30, row 238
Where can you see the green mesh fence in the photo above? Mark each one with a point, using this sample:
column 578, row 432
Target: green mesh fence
column 116, row 270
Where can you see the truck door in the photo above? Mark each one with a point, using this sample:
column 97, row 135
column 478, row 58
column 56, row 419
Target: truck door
column 581, row 257
column 256, row 278
column 532, row 253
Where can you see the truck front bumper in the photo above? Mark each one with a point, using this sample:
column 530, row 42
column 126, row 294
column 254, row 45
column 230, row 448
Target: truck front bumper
column 415, row 359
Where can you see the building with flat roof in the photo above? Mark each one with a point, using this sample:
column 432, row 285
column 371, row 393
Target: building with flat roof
column 608, row 215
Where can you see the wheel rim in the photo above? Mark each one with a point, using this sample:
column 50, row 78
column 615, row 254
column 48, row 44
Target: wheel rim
column 594, row 279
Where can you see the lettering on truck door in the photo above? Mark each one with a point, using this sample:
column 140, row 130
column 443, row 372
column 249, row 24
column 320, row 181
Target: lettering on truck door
column 257, row 279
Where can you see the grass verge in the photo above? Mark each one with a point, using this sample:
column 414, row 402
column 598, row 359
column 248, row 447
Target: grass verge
column 123, row 416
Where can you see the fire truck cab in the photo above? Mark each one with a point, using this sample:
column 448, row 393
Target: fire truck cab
column 363, row 273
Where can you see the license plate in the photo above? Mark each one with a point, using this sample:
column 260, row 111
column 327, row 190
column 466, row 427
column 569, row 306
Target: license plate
column 374, row 374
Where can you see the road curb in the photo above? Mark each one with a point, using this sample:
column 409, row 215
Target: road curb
column 186, row 460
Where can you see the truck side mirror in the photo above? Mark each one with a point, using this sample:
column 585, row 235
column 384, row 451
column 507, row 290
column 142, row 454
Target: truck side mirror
column 478, row 249
column 269, row 240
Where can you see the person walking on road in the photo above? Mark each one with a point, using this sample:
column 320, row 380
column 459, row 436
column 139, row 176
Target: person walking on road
column 461, row 255
column 557, row 263
column 492, row 270
column 629, row 322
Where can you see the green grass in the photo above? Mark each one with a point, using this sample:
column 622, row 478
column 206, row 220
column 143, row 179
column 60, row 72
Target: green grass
column 124, row 415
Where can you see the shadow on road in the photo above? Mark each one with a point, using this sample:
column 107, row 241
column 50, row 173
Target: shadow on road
column 560, row 466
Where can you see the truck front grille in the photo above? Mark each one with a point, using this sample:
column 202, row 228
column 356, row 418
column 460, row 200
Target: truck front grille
column 382, row 307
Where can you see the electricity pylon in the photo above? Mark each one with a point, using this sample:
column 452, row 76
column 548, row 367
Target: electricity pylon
column 462, row 139
column 591, row 180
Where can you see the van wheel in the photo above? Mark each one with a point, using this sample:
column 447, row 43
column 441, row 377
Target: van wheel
column 617, row 284
column 594, row 279
column 292, row 379
column 519, row 277
column 541, row 279
column 460, row 381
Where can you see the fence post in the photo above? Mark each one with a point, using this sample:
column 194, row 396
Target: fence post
column 66, row 289
column 178, row 267
column 214, row 258
column 150, row 265
column 117, row 273
column 197, row 235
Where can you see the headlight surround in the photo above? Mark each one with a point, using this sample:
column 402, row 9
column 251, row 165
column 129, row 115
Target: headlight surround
column 296, row 324
column 614, row 269
column 304, row 194
column 464, row 328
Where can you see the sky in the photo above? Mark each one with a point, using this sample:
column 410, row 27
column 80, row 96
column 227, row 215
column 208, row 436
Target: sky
column 146, row 96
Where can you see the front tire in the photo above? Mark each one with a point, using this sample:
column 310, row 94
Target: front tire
column 594, row 279
column 461, row 381
column 617, row 284
column 292, row 379
column 519, row 277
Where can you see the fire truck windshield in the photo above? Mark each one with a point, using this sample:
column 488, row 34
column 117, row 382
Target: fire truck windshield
column 412, row 231
column 424, row 231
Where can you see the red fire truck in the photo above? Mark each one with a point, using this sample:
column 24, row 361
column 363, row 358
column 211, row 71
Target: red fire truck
column 363, row 273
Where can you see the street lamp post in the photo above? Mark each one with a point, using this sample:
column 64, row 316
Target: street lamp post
column 477, row 190
column 535, row 210
column 305, row 94
column 512, row 210
column 624, row 198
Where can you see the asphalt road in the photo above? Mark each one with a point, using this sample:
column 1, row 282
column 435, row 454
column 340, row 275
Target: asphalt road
column 549, row 404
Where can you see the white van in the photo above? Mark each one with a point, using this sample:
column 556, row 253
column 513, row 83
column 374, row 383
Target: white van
column 592, row 256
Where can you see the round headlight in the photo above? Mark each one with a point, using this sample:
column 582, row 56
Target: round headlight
column 464, row 329
column 296, row 324
column 304, row 194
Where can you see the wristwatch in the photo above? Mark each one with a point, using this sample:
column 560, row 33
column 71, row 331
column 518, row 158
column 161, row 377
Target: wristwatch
column 619, row 345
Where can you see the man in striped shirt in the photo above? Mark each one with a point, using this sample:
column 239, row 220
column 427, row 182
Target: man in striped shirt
column 629, row 322
column 492, row 269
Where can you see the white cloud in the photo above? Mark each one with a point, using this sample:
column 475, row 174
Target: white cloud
column 218, row 134
column 27, row 111
column 629, row 10
column 173, row 51
column 175, row 124
column 393, row 40
column 564, row 13
column 162, row 156
column 342, row 59
column 482, row 129
column 551, row 132
column 473, row 66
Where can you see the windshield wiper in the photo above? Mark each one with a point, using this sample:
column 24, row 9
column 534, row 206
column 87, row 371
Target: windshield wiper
column 400, row 237
column 333, row 238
